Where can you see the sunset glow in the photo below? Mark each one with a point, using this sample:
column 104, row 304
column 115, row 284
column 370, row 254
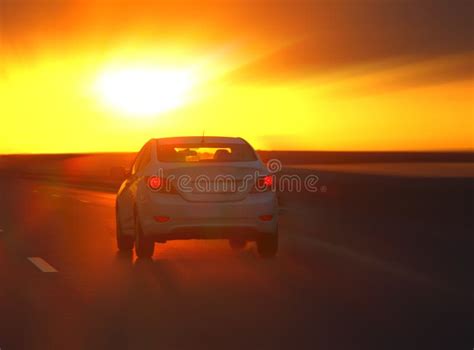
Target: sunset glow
column 282, row 81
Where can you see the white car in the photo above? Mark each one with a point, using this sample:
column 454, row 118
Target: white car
column 197, row 188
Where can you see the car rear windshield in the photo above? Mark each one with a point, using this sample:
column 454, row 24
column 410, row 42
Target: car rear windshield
column 215, row 152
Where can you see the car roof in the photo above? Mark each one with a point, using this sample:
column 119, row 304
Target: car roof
column 199, row 139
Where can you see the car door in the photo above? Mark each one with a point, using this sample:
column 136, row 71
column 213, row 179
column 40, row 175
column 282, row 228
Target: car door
column 126, row 196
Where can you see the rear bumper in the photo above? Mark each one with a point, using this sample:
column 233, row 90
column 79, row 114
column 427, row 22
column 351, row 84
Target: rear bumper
column 200, row 232
column 207, row 220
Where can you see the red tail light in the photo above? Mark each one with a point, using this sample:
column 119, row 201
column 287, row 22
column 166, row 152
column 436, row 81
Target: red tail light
column 154, row 182
column 268, row 180
column 263, row 184
column 160, row 184
column 161, row 219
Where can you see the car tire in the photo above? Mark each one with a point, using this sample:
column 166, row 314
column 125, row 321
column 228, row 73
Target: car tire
column 267, row 245
column 124, row 243
column 237, row 244
column 144, row 247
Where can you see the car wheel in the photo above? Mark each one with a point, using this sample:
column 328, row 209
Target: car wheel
column 237, row 244
column 124, row 243
column 144, row 247
column 267, row 245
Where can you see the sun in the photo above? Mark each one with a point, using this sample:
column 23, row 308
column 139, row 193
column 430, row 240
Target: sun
column 144, row 91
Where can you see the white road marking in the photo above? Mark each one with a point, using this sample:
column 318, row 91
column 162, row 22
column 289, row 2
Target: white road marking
column 56, row 195
column 42, row 265
column 83, row 201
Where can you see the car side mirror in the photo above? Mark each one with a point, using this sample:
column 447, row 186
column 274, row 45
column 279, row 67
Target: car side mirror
column 119, row 173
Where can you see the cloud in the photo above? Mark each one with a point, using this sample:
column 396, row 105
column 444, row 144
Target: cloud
column 370, row 33
column 308, row 38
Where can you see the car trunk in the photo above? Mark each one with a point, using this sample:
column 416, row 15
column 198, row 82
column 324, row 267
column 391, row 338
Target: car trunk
column 212, row 183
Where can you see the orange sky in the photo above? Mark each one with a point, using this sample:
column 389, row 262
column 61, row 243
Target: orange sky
column 340, row 75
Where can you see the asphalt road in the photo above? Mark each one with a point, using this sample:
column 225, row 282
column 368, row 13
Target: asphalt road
column 321, row 292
